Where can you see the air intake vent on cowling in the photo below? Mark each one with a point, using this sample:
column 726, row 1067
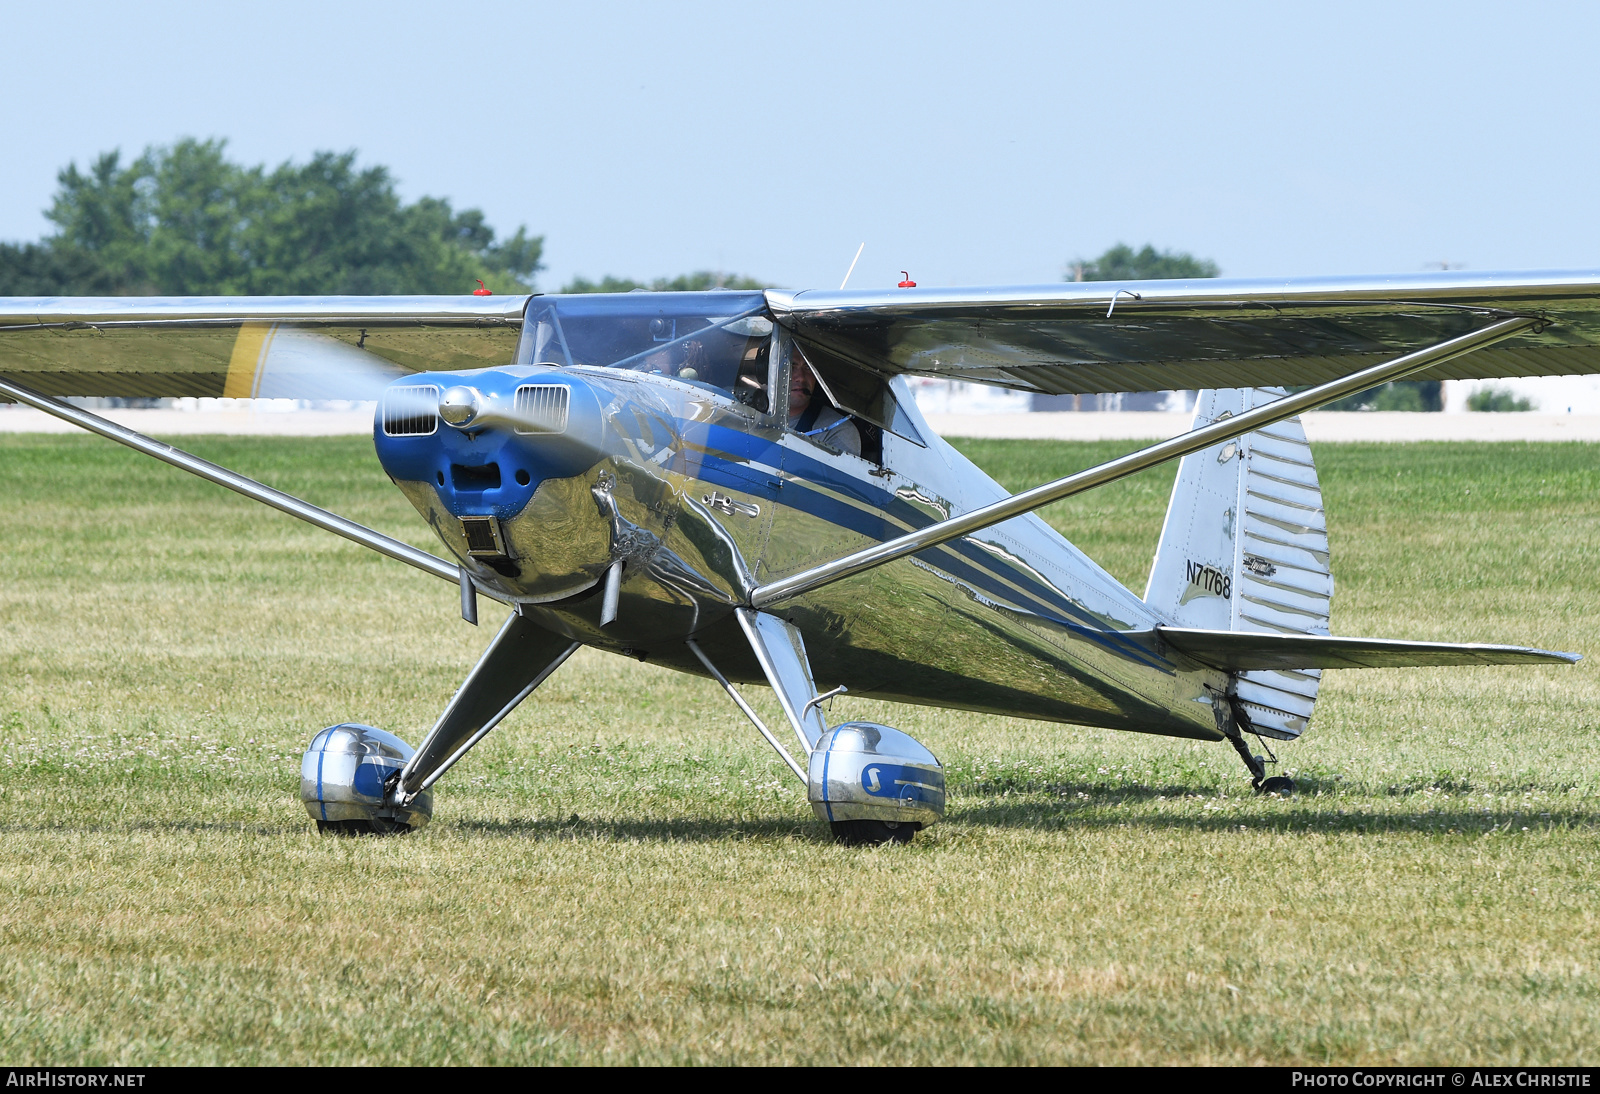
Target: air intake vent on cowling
column 484, row 538
column 541, row 408
column 482, row 477
column 411, row 411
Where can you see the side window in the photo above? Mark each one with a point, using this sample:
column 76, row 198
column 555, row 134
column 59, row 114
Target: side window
column 816, row 412
column 752, row 388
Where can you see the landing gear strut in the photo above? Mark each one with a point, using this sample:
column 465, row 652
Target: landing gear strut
column 1234, row 730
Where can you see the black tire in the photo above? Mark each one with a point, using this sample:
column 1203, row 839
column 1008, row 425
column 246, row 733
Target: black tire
column 872, row 833
column 375, row 827
column 1278, row 784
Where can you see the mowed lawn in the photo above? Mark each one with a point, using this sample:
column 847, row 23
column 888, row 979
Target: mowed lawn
column 624, row 873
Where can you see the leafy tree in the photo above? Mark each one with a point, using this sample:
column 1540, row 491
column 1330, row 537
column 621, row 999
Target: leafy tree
column 1123, row 263
column 186, row 221
column 694, row 282
column 37, row 269
column 1496, row 399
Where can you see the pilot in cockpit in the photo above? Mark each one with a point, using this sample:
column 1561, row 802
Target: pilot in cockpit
column 813, row 415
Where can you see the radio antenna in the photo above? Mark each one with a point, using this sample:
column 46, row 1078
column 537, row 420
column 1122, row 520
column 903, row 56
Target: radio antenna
column 853, row 262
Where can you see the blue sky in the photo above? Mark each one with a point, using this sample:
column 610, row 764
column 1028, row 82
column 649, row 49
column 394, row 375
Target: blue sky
column 970, row 144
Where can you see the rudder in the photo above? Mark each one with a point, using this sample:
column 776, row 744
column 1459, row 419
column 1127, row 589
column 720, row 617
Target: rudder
column 1245, row 548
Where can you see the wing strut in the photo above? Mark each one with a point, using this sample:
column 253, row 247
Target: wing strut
column 250, row 488
column 1195, row 440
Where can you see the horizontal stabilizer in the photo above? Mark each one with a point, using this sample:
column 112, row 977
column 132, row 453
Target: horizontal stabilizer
column 1239, row 651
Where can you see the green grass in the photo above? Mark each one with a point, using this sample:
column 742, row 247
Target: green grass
column 624, row 873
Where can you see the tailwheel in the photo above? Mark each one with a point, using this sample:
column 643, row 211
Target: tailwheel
column 872, row 833
column 1281, row 785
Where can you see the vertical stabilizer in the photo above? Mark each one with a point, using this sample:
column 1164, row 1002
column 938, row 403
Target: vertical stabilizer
column 1245, row 548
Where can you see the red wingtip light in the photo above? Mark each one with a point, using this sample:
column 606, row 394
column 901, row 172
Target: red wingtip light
column 907, row 283
column 482, row 289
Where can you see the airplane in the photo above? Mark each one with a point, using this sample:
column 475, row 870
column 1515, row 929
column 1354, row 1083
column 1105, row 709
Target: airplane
column 738, row 485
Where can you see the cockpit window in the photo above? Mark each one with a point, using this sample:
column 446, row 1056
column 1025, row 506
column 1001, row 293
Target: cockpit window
column 715, row 340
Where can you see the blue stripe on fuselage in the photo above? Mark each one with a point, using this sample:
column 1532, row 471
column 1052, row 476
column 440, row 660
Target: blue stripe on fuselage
column 725, row 450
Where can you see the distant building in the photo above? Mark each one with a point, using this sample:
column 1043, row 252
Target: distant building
column 960, row 397
column 1173, row 401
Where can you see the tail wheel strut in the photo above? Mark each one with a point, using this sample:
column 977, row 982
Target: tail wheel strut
column 1237, row 726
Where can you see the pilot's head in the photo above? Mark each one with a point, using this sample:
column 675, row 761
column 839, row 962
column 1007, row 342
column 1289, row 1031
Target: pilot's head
column 802, row 382
column 693, row 364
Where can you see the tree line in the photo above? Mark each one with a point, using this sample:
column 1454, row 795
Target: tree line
column 186, row 220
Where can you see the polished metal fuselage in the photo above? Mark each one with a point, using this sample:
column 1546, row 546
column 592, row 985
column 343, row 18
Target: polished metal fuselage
column 703, row 499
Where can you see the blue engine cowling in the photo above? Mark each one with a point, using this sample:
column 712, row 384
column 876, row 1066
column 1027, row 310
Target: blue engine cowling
column 866, row 771
column 342, row 780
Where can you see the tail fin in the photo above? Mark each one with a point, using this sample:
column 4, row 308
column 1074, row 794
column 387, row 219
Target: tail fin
column 1245, row 548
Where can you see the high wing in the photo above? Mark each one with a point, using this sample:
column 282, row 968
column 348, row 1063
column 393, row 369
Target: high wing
column 1239, row 651
column 336, row 347
column 1059, row 339
column 1214, row 333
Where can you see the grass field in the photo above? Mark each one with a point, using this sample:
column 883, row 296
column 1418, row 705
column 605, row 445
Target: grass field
column 624, row 873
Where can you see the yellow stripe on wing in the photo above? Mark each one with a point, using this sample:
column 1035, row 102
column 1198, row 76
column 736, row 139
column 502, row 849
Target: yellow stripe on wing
column 248, row 360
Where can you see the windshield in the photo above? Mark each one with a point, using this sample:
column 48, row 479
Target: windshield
column 715, row 340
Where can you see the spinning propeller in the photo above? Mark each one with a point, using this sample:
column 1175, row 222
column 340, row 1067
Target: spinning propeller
column 281, row 362
column 273, row 361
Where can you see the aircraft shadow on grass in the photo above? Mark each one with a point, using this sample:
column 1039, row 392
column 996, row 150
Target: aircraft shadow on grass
column 1288, row 816
column 168, row 827
column 1099, row 809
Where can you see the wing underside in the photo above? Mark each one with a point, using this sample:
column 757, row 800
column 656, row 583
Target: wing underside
column 1166, row 335
column 293, row 347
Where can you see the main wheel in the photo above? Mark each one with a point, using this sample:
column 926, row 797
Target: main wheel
column 1278, row 784
column 871, row 833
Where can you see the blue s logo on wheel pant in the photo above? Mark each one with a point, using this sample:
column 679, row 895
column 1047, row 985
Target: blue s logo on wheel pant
column 900, row 783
